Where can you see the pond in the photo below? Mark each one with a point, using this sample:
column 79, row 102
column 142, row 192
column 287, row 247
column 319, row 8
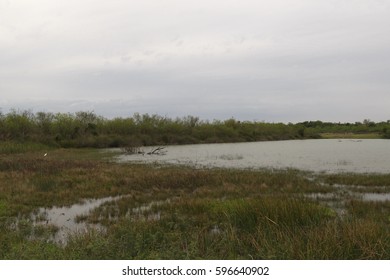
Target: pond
column 320, row 155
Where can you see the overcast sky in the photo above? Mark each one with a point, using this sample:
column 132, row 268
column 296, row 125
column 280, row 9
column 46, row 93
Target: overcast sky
column 266, row 60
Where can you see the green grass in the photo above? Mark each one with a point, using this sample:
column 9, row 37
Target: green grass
column 11, row 147
column 186, row 213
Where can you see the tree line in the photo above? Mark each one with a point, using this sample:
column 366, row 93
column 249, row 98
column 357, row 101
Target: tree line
column 86, row 129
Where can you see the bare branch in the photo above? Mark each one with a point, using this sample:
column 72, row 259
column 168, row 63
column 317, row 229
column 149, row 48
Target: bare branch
column 158, row 151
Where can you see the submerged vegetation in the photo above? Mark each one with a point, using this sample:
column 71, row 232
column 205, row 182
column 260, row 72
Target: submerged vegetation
column 86, row 129
column 166, row 212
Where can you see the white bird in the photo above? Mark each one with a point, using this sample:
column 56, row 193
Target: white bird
column 45, row 154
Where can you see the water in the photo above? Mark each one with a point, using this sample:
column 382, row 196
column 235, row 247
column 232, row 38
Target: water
column 324, row 155
column 65, row 218
column 144, row 212
column 361, row 156
column 379, row 197
column 374, row 197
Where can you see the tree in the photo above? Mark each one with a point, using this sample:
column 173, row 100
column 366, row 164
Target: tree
column 64, row 126
column 44, row 122
column 18, row 124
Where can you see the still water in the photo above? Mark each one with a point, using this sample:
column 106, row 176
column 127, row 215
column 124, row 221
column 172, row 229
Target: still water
column 325, row 155
column 64, row 218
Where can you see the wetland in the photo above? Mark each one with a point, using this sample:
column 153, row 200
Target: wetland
column 93, row 204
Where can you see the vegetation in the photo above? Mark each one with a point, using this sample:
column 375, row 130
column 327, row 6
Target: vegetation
column 165, row 212
column 86, row 129
column 186, row 213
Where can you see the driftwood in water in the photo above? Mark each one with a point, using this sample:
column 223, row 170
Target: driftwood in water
column 133, row 150
column 158, row 151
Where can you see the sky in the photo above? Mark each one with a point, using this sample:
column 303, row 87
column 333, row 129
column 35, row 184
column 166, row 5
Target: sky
column 254, row 60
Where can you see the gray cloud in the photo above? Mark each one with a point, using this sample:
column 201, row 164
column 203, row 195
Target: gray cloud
column 264, row 60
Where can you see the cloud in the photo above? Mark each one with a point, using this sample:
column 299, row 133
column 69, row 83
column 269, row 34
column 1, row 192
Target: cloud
column 248, row 59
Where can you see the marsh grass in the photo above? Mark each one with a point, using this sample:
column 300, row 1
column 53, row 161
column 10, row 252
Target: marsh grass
column 167, row 212
column 368, row 180
column 11, row 147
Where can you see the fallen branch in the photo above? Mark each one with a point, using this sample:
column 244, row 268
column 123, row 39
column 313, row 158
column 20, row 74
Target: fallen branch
column 158, row 151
